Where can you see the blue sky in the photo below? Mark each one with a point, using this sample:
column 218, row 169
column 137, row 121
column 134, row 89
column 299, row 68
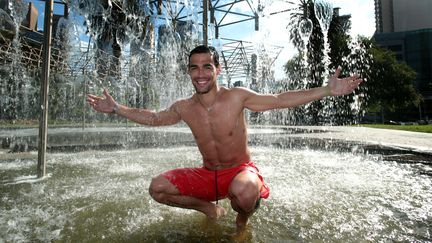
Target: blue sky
column 40, row 5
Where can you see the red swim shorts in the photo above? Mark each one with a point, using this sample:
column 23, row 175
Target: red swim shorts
column 201, row 182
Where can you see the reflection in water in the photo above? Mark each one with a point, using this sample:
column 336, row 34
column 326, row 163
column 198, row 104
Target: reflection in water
column 315, row 195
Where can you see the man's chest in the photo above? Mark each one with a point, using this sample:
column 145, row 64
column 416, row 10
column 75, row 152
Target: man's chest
column 215, row 124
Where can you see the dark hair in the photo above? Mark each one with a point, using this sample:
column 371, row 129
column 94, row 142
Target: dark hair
column 206, row 49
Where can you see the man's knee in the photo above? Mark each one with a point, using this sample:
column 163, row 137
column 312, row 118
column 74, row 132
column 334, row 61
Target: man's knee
column 157, row 188
column 244, row 195
column 160, row 187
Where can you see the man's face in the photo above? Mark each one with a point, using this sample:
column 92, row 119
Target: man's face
column 203, row 72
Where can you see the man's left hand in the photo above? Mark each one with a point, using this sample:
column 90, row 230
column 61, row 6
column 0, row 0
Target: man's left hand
column 343, row 86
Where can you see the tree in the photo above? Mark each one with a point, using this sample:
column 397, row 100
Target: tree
column 339, row 40
column 342, row 109
column 311, row 72
column 390, row 84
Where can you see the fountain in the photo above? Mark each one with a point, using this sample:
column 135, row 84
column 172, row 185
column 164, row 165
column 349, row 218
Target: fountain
column 324, row 14
column 305, row 27
column 97, row 195
column 327, row 183
column 320, row 53
column 15, row 83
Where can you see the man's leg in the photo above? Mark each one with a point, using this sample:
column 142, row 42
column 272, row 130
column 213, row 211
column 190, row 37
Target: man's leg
column 163, row 191
column 244, row 193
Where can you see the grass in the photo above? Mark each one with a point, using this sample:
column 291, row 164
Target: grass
column 411, row 128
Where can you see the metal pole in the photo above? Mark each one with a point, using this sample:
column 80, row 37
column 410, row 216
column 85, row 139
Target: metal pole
column 213, row 20
column 84, row 103
column 85, row 87
column 205, row 21
column 43, row 123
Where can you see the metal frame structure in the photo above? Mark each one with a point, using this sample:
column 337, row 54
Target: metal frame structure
column 237, row 58
column 221, row 9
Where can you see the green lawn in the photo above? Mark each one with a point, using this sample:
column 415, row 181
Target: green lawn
column 412, row 128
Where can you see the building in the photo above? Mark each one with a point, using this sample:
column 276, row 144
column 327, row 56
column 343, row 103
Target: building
column 31, row 39
column 402, row 15
column 405, row 27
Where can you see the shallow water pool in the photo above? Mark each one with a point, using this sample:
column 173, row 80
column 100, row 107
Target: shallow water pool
column 101, row 196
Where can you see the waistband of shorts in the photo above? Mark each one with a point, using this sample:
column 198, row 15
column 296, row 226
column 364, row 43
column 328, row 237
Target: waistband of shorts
column 245, row 164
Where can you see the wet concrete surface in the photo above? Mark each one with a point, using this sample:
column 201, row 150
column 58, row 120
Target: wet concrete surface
column 401, row 146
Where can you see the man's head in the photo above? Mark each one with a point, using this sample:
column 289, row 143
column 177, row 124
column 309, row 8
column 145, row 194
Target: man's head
column 204, row 68
column 206, row 49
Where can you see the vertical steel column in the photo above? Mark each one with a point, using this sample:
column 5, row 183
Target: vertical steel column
column 205, row 21
column 213, row 21
column 43, row 121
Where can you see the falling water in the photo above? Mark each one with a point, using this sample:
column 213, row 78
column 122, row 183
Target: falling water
column 324, row 14
column 122, row 51
column 15, row 79
column 305, row 28
column 149, row 42
column 18, row 10
column 307, row 72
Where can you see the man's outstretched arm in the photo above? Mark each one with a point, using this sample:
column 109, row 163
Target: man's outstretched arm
column 107, row 104
column 336, row 87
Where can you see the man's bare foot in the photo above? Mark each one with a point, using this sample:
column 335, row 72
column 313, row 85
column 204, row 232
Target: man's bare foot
column 242, row 235
column 241, row 222
column 218, row 212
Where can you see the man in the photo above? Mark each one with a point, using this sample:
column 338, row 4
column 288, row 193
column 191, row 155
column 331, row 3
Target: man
column 216, row 117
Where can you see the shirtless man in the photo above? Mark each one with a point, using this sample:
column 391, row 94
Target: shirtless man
column 216, row 117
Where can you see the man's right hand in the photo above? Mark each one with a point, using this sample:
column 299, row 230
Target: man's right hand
column 104, row 104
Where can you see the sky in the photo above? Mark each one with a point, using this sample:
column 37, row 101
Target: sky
column 362, row 15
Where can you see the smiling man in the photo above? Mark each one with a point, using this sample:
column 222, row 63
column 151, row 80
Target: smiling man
column 216, row 117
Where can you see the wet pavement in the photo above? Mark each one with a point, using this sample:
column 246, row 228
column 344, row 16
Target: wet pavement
column 415, row 141
column 414, row 146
